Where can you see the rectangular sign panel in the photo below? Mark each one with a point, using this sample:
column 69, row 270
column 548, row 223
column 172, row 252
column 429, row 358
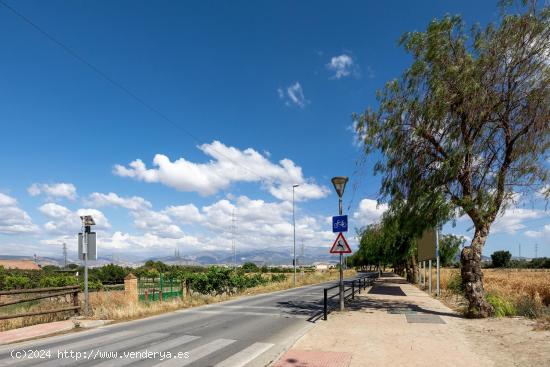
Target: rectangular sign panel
column 340, row 223
column 426, row 245
column 92, row 249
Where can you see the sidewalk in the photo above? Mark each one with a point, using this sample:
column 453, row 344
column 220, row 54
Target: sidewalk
column 50, row 328
column 397, row 324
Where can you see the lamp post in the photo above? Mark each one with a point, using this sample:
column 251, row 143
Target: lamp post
column 339, row 183
column 294, row 229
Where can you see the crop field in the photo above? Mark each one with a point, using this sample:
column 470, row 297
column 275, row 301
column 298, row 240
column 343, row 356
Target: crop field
column 522, row 292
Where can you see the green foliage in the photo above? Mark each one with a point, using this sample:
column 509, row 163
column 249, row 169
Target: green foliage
column 57, row 281
column 276, row 278
column 464, row 128
column 16, row 281
column 501, row 259
column 501, row 306
column 531, row 307
column 250, row 267
column 454, row 284
column 111, row 274
column 539, row 263
column 449, row 246
column 50, row 268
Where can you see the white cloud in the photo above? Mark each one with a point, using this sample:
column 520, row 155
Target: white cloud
column 342, row 66
column 111, row 199
column 369, row 212
column 294, row 95
column 56, row 190
column 14, row 220
column 229, row 165
column 543, row 233
column 65, row 221
column 513, row 218
column 188, row 213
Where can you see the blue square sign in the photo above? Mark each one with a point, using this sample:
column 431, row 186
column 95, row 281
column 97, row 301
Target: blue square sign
column 340, row 223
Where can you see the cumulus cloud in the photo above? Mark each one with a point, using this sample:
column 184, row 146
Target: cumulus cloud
column 513, row 220
column 293, row 95
column 543, row 233
column 111, row 199
column 369, row 212
column 228, row 165
column 14, row 220
column 342, row 66
column 56, row 190
column 65, row 221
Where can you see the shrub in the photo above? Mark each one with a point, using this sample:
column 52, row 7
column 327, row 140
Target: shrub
column 502, row 306
column 530, row 307
column 57, row 281
column 501, row 259
column 250, row 267
column 16, row 281
column 278, row 278
column 454, row 284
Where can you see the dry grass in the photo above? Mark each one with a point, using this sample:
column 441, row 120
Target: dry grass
column 528, row 290
column 114, row 305
column 43, row 305
column 512, row 284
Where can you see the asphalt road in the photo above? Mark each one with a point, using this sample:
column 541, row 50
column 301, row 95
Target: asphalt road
column 250, row 331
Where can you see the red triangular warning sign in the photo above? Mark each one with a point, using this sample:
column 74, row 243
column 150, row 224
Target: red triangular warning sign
column 340, row 246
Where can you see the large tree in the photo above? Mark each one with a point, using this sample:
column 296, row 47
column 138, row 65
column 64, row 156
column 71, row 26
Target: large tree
column 469, row 120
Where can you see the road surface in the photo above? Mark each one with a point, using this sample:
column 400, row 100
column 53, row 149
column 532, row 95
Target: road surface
column 250, row 331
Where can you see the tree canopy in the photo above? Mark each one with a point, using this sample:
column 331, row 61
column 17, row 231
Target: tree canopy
column 467, row 123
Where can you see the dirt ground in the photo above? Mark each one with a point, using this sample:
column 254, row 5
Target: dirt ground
column 509, row 341
column 377, row 330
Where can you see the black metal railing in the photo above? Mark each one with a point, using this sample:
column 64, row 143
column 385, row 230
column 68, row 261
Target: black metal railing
column 351, row 287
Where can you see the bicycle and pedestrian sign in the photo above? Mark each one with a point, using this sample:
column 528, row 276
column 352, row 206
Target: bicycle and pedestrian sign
column 340, row 223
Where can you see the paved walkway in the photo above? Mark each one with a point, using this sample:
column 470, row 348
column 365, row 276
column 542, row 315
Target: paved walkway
column 393, row 324
column 40, row 330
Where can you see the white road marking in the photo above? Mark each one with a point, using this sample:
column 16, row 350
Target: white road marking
column 155, row 348
column 245, row 356
column 92, row 348
column 198, row 353
column 71, row 346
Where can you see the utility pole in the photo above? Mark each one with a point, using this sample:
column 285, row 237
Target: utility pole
column 302, row 259
column 233, row 244
column 536, row 250
column 294, row 229
column 64, row 255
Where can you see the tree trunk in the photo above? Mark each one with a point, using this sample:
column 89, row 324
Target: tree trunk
column 472, row 277
column 414, row 265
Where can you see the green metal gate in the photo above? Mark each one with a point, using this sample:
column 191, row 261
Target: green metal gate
column 158, row 289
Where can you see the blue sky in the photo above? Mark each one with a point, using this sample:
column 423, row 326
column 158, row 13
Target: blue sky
column 266, row 89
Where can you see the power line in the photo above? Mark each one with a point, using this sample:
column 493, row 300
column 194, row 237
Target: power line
column 116, row 84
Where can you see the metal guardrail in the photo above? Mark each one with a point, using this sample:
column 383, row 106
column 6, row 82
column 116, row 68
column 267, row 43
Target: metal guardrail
column 351, row 287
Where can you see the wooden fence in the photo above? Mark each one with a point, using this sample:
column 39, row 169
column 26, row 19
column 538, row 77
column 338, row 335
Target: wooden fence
column 40, row 293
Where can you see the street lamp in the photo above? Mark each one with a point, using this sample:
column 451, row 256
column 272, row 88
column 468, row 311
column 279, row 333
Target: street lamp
column 294, row 229
column 339, row 183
